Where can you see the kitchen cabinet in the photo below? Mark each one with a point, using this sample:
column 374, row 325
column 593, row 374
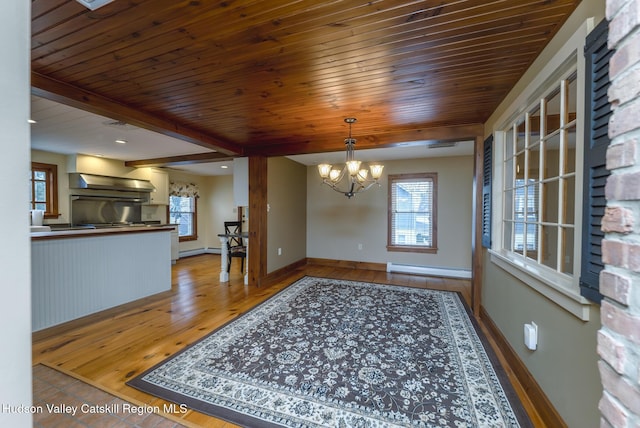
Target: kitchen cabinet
column 160, row 180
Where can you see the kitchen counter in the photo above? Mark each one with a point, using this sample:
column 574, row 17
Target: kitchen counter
column 75, row 273
column 84, row 232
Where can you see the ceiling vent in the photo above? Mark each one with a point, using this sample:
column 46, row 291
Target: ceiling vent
column 93, row 4
column 442, row 144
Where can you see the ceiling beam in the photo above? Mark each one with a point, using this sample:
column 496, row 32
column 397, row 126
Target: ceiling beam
column 179, row 160
column 390, row 139
column 64, row 93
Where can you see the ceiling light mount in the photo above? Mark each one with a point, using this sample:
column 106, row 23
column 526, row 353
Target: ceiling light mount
column 357, row 179
column 93, row 4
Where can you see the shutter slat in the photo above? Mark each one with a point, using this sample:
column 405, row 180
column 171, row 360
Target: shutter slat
column 487, row 171
column 596, row 127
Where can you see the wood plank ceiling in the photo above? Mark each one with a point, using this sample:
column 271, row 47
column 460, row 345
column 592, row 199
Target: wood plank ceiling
column 278, row 77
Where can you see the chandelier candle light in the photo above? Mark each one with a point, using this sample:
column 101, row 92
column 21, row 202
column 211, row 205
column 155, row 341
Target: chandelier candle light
column 357, row 179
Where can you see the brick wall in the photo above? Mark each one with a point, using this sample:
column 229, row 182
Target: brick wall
column 619, row 337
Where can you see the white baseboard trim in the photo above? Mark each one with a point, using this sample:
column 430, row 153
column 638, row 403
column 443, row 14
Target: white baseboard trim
column 429, row 270
column 198, row 251
column 188, row 253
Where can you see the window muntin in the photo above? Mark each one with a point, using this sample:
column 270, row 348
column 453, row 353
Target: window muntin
column 183, row 212
column 412, row 212
column 43, row 189
column 539, row 167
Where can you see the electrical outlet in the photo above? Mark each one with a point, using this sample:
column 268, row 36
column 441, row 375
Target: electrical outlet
column 359, row 246
column 531, row 336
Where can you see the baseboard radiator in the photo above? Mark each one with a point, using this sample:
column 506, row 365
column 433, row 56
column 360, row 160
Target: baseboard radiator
column 429, row 270
column 198, row 251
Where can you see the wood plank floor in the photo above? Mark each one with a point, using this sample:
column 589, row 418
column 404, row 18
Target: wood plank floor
column 112, row 347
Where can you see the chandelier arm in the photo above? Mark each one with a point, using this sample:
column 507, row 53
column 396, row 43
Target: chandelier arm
column 352, row 190
column 368, row 186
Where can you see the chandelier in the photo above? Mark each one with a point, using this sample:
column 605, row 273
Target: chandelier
column 357, row 179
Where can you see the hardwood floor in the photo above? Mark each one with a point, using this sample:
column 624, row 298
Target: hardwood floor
column 112, row 347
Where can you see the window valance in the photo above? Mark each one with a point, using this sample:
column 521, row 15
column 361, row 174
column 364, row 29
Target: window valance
column 185, row 190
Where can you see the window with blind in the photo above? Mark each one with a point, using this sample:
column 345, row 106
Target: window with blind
column 44, row 189
column 412, row 212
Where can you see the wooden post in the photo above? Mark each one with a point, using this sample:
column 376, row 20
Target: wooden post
column 476, row 235
column 257, row 251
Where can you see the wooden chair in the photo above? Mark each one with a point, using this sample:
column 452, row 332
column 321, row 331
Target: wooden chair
column 235, row 245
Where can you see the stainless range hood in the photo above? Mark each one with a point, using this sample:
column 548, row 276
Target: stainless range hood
column 102, row 182
column 103, row 199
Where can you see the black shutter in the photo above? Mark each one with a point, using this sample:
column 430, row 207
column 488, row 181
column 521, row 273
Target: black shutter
column 598, row 111
column 486, row 192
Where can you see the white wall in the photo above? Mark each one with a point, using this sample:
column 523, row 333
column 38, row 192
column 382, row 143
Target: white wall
column 336, row 225
column 15, row 305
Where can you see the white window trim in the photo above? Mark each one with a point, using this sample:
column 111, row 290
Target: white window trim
column 556, row 287
column 560, row 288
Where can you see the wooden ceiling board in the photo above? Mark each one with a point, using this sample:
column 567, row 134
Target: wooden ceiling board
column 254, row 76
column 182, row 83
column 171, row 61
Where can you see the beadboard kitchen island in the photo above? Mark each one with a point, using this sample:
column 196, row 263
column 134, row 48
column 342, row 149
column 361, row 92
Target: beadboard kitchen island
column 75, row 273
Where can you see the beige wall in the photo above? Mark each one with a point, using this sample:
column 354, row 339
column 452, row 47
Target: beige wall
column 287, row 214
column 564, row 364
column 104, row 166
column 336, row 225
column 214, row 206
column 218, row 195
column 90, row 165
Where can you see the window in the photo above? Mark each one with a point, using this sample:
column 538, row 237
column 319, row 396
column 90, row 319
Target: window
column 539, row 155
column 44, row 189
column 539, row 166
column 183, row 212
column 412, row 212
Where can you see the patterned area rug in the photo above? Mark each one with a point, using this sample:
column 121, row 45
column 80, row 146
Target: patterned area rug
column 335, row 353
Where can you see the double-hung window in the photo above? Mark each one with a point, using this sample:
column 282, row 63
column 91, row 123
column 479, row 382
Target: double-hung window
column 183, row 212
column 412, row 212
column 183, row 209
column 44, row 189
